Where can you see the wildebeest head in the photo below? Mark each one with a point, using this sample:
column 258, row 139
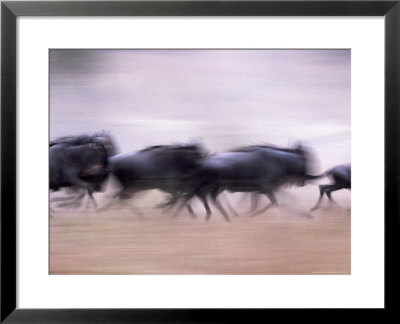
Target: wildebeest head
column 100, row 138
column 104, row 139
column 308, row 157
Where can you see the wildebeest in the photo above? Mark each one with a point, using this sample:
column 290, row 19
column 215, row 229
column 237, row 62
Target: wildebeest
column 99, row 137
column 259, row 169
column 164, row 167
column 80, row 163
column 341, row 176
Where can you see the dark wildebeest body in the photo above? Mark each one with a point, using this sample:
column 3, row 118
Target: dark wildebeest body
column 79, row 163
column 288, row 166
column 167, row 168
column 69, row 165
column 255, row 169
column 341, row 176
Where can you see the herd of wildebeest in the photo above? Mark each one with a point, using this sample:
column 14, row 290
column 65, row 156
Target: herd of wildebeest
column 184, row 171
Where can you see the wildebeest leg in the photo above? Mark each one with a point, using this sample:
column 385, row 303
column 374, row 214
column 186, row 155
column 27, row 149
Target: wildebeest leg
column 254, row 198
column 327, row 189
column 173, row 201
column 201, row 193
column 273, row 200
column 168, row 205
column 183, row 204
column 214, row 195
column 233, row 211
column 82, row 184
column 331, row 188
column 125, row 196
column 203, row 198
column 295, row 207
column 186, row 202
column 348, row 209
column 321, row 195
column 190, row 210
column 93, row 200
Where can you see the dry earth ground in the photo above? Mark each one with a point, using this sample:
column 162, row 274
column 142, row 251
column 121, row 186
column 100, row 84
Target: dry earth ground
column 280, row 241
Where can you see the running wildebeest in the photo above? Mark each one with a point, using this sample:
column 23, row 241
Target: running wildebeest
column 80, row 163
column 164, row 167
column 341, row 175
column 259, row 169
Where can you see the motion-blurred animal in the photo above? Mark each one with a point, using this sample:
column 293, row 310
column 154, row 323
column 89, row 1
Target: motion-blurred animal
column 259, row 169
column 80, row 163
column 341, row 176
column 164, row 167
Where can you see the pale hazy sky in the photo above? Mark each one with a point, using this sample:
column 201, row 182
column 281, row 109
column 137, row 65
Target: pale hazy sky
column 226, row 97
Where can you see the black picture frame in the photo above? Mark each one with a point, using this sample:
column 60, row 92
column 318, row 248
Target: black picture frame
column 10, row 10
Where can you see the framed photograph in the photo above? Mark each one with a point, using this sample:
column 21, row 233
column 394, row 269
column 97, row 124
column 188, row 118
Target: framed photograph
column 191, row 160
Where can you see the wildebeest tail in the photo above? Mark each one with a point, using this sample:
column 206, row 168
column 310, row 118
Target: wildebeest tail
column 315, row 177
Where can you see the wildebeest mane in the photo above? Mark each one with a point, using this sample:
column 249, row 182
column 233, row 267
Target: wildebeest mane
column 72, row 140
column 250, row 148
column 100, row 138
column 171, row 147
column 151, row 148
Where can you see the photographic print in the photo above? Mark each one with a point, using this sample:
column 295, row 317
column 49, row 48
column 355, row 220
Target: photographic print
column 200, row 161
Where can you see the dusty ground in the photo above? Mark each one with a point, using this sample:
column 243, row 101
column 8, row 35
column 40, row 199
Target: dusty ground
column 281, row 241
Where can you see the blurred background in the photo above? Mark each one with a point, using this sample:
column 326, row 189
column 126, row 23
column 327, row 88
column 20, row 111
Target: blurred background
column 226, row 99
